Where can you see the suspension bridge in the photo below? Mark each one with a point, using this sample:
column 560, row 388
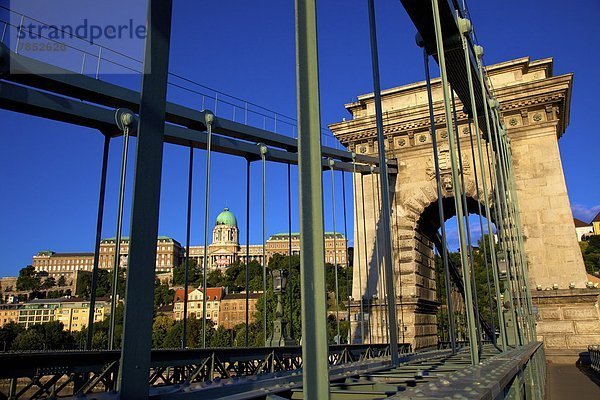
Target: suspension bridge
column 461, row 151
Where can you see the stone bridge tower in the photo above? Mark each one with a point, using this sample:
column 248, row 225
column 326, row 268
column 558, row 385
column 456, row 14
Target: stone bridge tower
column 535, row 106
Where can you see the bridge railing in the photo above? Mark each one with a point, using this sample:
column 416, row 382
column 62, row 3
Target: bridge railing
column 74, row 373
column 594, row 351
column 82, row 56
column 443, row 345
column 516, row 374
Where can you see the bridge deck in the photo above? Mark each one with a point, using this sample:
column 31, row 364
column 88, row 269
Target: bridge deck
column 427, row 375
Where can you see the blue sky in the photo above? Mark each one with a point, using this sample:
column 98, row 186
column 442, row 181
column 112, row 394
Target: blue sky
column 50, row 171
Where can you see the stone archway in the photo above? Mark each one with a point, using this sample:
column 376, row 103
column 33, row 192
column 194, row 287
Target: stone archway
column 535, row 107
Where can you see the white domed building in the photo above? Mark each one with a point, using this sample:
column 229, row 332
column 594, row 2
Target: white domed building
column 225, row 248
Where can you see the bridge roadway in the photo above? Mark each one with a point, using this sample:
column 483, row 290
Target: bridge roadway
column 356, row 372
column 425, row 375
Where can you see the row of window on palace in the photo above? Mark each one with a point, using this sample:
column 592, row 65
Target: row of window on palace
column 125, row 248
column 68, row 262
column 179, row 306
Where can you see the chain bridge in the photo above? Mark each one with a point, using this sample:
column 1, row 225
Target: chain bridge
column 477, row 141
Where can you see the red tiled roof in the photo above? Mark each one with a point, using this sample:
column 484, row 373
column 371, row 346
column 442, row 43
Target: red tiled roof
column 579, row 223
column 596, row 218
column 215, row 294
column 179, row 294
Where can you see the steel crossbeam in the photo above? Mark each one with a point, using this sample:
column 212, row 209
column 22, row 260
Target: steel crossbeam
column 97, row 371
column 420, row 12
column 56, row 93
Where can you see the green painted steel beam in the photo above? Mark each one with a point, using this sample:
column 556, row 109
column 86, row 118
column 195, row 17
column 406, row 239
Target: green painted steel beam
column 134, row 366
column 312, row 248
column 456, row 186
column 488, row 214
column 27, row 72
column 385, row 217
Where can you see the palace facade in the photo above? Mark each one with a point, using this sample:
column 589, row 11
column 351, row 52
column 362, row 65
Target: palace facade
column 224, row 250
column 169, row 254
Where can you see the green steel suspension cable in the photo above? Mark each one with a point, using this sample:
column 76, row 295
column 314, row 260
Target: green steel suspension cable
column 502, row 240
column 485, row 251
column 96, row 259
column 440, row 198
column 383, row 275
column 290, row 291
column 524, row 288
column 377, row 255
column 517, row 252
column 385, row 203
column 455, row 186
column 356, row 262
column 508, row 233
column 397, row 271
column 466, row 29
column 346, row 250
column 209, row 118
column 367, row 272
column 263, row 156
column 518, row 239
column 479, row 55
column 187, row 246
column 467, row 223
column 521, row 241
column 117, row 257
column 335, row 263
column 247, row 269
column 507, row 221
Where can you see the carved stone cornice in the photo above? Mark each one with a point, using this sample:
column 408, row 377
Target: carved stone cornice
column 519, row 102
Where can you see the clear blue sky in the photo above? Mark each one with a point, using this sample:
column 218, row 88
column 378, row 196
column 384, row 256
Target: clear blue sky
column 50, row 171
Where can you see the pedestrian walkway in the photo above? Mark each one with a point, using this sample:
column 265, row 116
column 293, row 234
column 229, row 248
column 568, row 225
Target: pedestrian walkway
column 572, row 382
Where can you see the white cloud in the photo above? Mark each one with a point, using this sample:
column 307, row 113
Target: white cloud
column 585, row 213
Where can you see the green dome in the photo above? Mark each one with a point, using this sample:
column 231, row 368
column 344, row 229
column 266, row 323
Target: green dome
column 226, row 217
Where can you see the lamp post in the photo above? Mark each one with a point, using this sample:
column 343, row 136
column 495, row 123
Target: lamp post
column 280, row 336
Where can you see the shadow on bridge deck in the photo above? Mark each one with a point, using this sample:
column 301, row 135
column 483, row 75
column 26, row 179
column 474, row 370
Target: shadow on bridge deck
column 570, row 382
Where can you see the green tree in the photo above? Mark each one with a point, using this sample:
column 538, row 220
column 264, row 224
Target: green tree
column 173, row 336
column 221, row 338
column 484, row 291
column 591, row 255
column 48, row 283
column 160, row 327
column 29, row 340
column 344, row 284
column 101, row 329
column 194, row 272
column 481, row 285
column 104, row 286
column 216, row 278
column 162, row 294
column 239, row 335
column 61, row 281
column 8, row 334
column 46, row 336
column 267, row 303
column 332, row 330
column 28, row 279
